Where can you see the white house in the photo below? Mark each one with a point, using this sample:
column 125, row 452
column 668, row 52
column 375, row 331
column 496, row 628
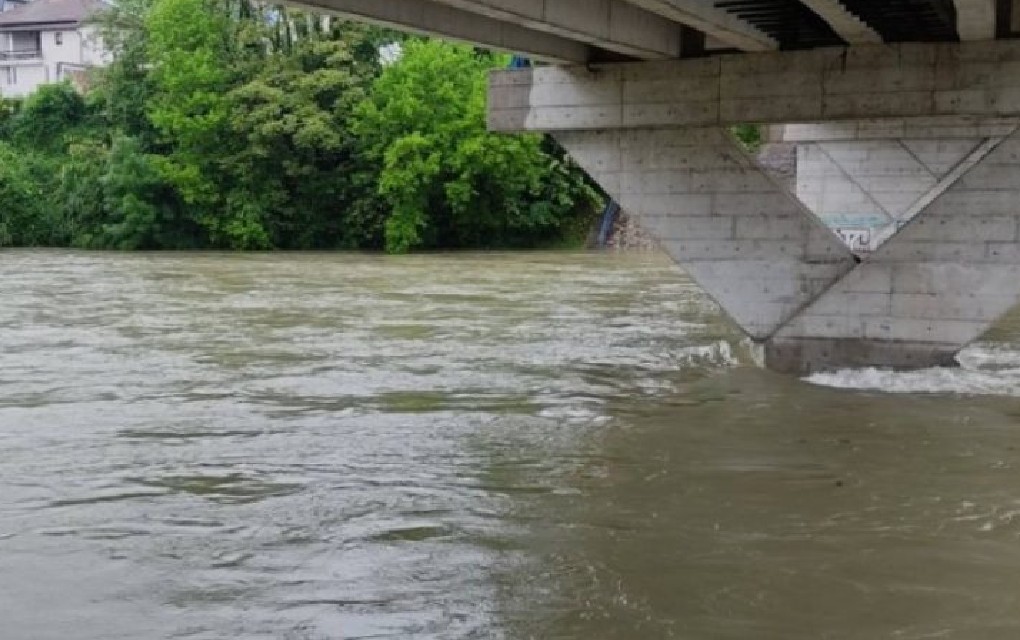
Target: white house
column 46, row 41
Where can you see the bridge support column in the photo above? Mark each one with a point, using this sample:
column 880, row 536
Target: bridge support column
column 931, row 286
column 747, row 241
column 937, row 167
column 944, row 264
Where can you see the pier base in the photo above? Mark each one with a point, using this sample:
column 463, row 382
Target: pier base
column 803, row 356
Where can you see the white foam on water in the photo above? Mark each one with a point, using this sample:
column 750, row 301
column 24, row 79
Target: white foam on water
column 719, row 354
column 985, row 369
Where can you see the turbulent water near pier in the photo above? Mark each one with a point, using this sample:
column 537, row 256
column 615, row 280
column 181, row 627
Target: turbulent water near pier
column 518, row 446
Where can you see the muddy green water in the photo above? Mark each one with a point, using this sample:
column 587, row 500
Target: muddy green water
column 510, row 446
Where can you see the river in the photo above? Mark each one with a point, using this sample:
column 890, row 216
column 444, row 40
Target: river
column 499, row 446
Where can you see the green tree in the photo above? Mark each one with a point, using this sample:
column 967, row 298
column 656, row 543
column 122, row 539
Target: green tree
column 25, row 215
column 79, row 192
column 446, row 180
column 141, row 210
column 236, row 124
column 191, row 72
column 48, row 117
column 296, row 159
column 750, row 136
column 122, row 89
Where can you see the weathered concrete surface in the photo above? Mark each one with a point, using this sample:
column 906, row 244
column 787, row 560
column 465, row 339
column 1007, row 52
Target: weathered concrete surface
column 866, row 180
column 936, row 160
column 934, row 287
column 972, row 79
column 748, row 242
column 803, row 356
column 940, row 128
column 868, row 189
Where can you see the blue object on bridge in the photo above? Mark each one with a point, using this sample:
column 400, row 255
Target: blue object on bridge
column 519, row 62
column 608, row 220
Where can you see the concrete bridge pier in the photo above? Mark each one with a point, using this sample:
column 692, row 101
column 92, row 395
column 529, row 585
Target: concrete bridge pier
column 932, row 209
column 746, row 240
column 901, row 241
column 926, row 189
column 942, row 224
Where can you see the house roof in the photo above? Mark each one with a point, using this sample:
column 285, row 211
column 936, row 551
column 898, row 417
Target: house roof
column 39, row 13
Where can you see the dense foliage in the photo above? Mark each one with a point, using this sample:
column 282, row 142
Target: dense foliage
column 257, row 128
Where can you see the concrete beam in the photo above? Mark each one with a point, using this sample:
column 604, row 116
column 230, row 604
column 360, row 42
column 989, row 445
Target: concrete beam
column 846, row 25
column 613, row 25
column 431, row 18
column 942, row 129
column 976, row 19
column 704, row 16
column 975, row 79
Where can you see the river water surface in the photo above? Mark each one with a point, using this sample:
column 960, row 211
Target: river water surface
column 507, row 446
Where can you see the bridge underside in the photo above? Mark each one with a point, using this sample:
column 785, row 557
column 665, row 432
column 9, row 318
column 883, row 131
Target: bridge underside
column 583, row 31
column 900, row 241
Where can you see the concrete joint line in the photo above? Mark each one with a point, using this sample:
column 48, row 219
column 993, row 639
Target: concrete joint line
column 774, row 257
column 852, row 180
column 918, row 160
column 951, row 178
column 886, row 261
column 808, row 215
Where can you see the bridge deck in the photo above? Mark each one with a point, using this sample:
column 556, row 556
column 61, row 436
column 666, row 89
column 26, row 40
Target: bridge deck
column 581, row 31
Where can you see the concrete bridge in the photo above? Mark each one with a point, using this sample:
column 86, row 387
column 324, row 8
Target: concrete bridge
column 900, row 242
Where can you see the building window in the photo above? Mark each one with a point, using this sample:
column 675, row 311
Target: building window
column 12, row 75
column 58, row 38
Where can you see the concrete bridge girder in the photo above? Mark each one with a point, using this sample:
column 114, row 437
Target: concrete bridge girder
column 431, row 18
column 572, row 30
column 704, row 16
column 613, row 25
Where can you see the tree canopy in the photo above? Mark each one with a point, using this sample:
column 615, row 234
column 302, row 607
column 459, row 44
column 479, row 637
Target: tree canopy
column 232, row 124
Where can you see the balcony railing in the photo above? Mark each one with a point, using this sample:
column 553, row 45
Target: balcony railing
column 20, row 54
